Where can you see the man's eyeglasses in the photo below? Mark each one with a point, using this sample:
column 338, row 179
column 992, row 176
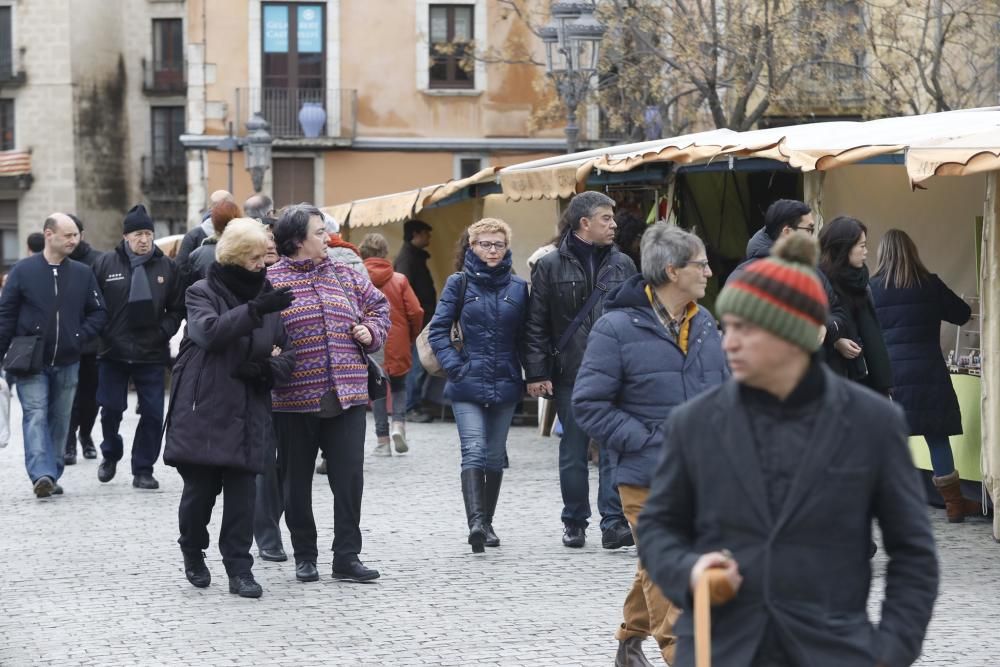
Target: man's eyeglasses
column 810, row 229
column 700, row 263
column 499, row 246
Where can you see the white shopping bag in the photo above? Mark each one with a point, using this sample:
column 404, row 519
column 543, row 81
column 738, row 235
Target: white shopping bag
column 4, row 412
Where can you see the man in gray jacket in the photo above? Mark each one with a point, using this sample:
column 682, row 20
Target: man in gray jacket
column 775, row 477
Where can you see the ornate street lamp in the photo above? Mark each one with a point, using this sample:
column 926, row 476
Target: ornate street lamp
column 572, row 42
column 257, row 147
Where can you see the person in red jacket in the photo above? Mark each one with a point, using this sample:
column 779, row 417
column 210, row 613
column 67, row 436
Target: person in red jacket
column 407, row 319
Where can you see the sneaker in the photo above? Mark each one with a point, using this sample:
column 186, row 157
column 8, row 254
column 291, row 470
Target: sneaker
column 195, row 570
column 617, row 536
column 383, row 448
column 419, row 417
column 106, row 471
column 355, row 571
column 245, row 586
column 145, row 481
column 44, row 486
column 399, row 437
column 574, row 537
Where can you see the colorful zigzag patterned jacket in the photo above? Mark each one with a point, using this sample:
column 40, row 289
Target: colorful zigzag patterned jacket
column 319, row 323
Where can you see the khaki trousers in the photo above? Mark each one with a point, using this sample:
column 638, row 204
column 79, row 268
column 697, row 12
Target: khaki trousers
column 646, row 612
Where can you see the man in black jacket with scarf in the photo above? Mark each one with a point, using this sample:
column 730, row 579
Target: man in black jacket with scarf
column 145, row 305
column 775, row 477
column 586, row 263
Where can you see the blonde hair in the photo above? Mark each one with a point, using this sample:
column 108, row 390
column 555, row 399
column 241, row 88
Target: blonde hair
column 373, row 245
column 899, row 262
column 489, row 226
column 239, row 240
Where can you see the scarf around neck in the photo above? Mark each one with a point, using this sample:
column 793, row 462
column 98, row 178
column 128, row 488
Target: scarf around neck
column 244, row 284
column 140, row 296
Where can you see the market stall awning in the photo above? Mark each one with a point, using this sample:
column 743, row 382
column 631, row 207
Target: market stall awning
column 959, row 142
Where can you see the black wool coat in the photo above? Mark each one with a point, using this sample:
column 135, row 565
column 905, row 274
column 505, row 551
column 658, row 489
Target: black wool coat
column 911, row 325
column 806, row 572
column 215, row 419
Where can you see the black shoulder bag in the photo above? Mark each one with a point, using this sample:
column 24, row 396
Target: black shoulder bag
column 24, row 355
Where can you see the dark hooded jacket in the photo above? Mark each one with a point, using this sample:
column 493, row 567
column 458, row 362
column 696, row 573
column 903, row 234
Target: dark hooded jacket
column 622, row 398
column 488, row 369
column 121, row 340
column 216, row 419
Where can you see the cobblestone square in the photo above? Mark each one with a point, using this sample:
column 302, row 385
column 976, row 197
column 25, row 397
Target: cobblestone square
column 95, row 577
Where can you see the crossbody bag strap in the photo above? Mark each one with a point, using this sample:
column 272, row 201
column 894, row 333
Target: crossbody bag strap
column 578, row 320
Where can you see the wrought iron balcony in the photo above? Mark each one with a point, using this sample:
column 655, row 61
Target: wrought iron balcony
column 9, row 77
column 281, row 107
column 163, row 77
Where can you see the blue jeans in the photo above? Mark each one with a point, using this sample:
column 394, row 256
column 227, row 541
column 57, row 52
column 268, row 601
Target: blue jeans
column 574, row 475
column 112, row 395
column 397, row 386
column 46, row 401
column 942, row 461
column 483, row 433
column 416, row 383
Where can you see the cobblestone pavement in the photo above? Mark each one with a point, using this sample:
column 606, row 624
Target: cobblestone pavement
column 95, row 577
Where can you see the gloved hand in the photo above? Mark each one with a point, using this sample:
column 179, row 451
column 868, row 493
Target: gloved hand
column 273, row 302
column 257, row 374
column 248, row 371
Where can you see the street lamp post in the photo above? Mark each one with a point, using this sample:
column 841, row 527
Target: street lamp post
column 572, row 42
column 257, row 147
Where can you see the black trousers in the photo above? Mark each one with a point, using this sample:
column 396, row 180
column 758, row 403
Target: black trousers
column 201, row 486
column 84, row 413
column 270, row 505
column 342, row 439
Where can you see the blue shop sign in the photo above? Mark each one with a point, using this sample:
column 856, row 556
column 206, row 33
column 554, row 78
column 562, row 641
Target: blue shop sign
column 275, row 29
column 310, row 29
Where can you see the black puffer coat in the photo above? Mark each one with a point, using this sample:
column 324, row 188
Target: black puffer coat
column 559, row 289
column 214, row 418
column 911, row 325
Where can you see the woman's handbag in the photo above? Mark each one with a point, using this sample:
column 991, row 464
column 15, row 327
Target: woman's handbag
column 426, row 354
column 24, row 356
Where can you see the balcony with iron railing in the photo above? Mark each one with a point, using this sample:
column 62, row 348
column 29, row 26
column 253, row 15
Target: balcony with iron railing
column 163, row 77
column 8, row 75
column 293, row 112
column 163, row 180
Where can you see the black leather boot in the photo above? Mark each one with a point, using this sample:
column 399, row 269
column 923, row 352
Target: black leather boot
column 472, row 494
column 491, row 492
column 195, row 570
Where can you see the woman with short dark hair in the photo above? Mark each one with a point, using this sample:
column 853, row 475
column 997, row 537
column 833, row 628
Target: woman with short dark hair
column 219, row 423
column 911, row 302
column 338, row 320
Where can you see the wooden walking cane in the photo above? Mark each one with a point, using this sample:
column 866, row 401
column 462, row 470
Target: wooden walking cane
column 712, row 589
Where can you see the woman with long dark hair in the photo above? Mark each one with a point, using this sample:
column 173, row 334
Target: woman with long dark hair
column 855, row 346
column 911, row 303
column 484, row 377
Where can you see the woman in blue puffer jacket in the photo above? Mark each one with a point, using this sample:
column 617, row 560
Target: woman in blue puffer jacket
column 484, row 373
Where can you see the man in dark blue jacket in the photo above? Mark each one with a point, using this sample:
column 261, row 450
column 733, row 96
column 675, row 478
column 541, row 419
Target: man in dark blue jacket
column 56, row 299
column 145, row 308
column 622, row 397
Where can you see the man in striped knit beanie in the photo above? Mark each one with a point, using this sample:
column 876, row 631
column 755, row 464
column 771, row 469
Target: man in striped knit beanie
column 774, row 477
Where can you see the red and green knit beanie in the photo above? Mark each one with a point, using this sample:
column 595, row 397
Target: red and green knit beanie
column 781, row 293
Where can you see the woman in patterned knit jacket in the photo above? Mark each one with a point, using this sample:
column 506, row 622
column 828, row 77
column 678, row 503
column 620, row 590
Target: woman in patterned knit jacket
column 337, row 319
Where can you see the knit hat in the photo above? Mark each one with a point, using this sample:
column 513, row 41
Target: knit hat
column 781, row 293
column 137, row 219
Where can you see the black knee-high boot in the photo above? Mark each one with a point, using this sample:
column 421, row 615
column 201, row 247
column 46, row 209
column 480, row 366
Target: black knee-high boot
column 472, row 494
column 491, row 492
